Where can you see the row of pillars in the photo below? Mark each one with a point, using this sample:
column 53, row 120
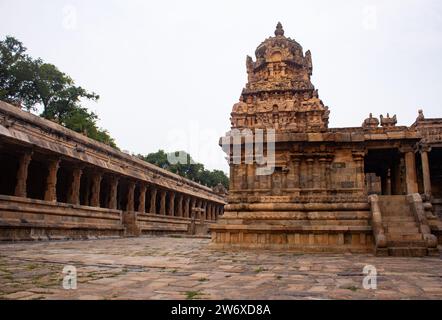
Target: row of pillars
column 181, row 208
column 410, row 169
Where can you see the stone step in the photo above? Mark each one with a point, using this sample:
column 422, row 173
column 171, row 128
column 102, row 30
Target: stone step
column 399, row 224
column 403, row 237
column 398, row 219
column 401, row 229
column 407, row 251
column 395, row 213
column 392, row 206
column 406, row 243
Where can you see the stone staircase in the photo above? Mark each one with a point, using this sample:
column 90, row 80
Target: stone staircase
column 402, row 231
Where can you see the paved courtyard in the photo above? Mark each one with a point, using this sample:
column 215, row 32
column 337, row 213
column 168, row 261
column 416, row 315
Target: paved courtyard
column 185, row 268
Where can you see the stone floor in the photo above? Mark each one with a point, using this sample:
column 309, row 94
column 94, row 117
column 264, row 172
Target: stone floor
column 184, row 268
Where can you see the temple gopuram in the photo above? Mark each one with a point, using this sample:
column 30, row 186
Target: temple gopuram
column 374, row 188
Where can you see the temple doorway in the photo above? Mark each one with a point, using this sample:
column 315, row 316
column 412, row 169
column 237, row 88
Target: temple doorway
column 435, row 161
column 385, row 172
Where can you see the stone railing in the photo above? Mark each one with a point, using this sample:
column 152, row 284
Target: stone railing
column 417, row 207
column 376, row 219
column 31, row 219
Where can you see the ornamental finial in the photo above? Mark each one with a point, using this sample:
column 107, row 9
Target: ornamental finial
column 279, row 30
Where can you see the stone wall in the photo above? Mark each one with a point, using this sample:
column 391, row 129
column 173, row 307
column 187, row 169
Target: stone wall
column 30, row 219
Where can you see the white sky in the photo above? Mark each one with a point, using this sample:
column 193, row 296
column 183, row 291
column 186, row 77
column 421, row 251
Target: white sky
column 169, row 72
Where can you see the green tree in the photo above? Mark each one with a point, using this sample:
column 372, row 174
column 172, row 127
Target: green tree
column 30, row 83
column 189, row 169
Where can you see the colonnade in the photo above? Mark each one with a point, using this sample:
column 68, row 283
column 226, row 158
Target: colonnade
column 54, row 179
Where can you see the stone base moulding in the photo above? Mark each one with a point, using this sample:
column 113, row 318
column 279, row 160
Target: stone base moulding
column 23, row 219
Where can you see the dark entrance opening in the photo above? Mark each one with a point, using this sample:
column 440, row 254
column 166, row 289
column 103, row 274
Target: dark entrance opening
column 435, row 162
column 37, row 175
column 122, row 195
column 384, row 172
column 63, row 182
column 8, row 173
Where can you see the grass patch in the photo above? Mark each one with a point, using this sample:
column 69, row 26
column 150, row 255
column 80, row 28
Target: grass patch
column 203, row 279
column 174, row 271
column 190, row 295
column 352, row 288
column 260, row 269
column 279, row 277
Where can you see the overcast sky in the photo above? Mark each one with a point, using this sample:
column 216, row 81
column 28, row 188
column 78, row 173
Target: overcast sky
column 169, row 72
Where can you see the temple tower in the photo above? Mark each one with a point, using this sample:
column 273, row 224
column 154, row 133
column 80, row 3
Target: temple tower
column 297, row 184
column 279, row 93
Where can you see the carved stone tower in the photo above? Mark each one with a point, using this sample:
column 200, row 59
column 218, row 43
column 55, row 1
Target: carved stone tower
column 315, row 197
column 279, row 93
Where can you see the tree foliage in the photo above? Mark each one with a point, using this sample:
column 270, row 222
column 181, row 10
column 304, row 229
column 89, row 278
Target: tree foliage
column 30, row 83
column 188, row 168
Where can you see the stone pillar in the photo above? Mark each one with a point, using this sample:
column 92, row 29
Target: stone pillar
column 410, row 172
column 205, row 210
column 297, row 172
column 192, row 205
column 322, row 173
column 215, row 215
column 328, row 176
column 197, row 204
column 87, row 191
column 163, row 202
column 142, row 199
column 51, row 181
column 180, row 206
column 310, row 173
column 250, row 172
column 153, row 200
column 74, row 188
column 130, row 206
column 96, row 185
column 208, row 211
column 426, row 172
column 290, row 175
column 113, row 192
column 187, row 207
column 358, row 157
column 22, row 174
column 316, row 174
column 171, row 204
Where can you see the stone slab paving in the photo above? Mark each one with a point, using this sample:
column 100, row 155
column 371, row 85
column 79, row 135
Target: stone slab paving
column 186, row 268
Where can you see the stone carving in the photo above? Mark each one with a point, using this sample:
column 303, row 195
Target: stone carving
column 388, row 121
column 220, row 189
column 370, row 122
column 279, row 93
